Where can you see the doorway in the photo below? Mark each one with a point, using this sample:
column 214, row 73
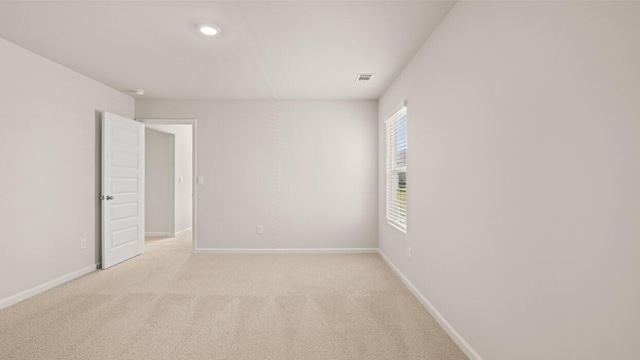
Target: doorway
column 171, row 165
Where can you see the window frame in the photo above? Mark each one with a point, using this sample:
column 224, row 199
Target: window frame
column 396, row 210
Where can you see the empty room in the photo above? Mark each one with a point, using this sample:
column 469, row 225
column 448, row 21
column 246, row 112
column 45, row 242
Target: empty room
column 320, row 180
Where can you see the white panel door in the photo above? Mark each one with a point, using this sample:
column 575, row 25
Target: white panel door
column 122, row 189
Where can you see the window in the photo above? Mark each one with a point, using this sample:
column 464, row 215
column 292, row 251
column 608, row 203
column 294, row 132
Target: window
column 396, row 149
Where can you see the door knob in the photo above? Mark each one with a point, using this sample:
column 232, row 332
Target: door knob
column 109, row 197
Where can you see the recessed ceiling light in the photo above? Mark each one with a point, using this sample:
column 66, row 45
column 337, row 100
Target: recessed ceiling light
column 209, row 30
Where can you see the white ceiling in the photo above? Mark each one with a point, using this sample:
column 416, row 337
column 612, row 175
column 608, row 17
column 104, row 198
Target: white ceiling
column 267, row 49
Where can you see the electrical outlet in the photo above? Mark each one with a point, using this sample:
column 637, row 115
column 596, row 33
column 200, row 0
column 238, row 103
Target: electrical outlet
column 409, row 254
column 83, row 243
column 259, row 229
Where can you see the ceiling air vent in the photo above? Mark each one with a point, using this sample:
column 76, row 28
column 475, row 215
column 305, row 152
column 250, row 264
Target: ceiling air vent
column 363, row 78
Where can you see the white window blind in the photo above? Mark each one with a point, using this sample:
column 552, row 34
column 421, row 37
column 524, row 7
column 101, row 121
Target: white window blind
column 396, row 148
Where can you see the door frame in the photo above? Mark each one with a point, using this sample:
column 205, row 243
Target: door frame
column 194, row 168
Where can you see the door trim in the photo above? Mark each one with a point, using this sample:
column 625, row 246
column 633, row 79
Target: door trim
column 194, row 175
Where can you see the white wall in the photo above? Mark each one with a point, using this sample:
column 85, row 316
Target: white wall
column 184, row 162
column 49, row 188
column 302, row 169
column 160, row 168
column 183, row 145
column 524, row 177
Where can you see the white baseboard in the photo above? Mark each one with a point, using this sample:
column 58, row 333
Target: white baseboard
column 162, row 234
column 14, row 299
column 182, row 231
column 287, row 251
column 455, row 336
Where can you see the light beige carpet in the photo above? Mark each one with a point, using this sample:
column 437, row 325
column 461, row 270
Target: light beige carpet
column 171, row 304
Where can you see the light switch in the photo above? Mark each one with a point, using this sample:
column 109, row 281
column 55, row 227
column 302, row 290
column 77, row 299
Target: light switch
column 200, row 180
column 180, row 179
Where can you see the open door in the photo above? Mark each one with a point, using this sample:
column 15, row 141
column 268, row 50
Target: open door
column 122, row 189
